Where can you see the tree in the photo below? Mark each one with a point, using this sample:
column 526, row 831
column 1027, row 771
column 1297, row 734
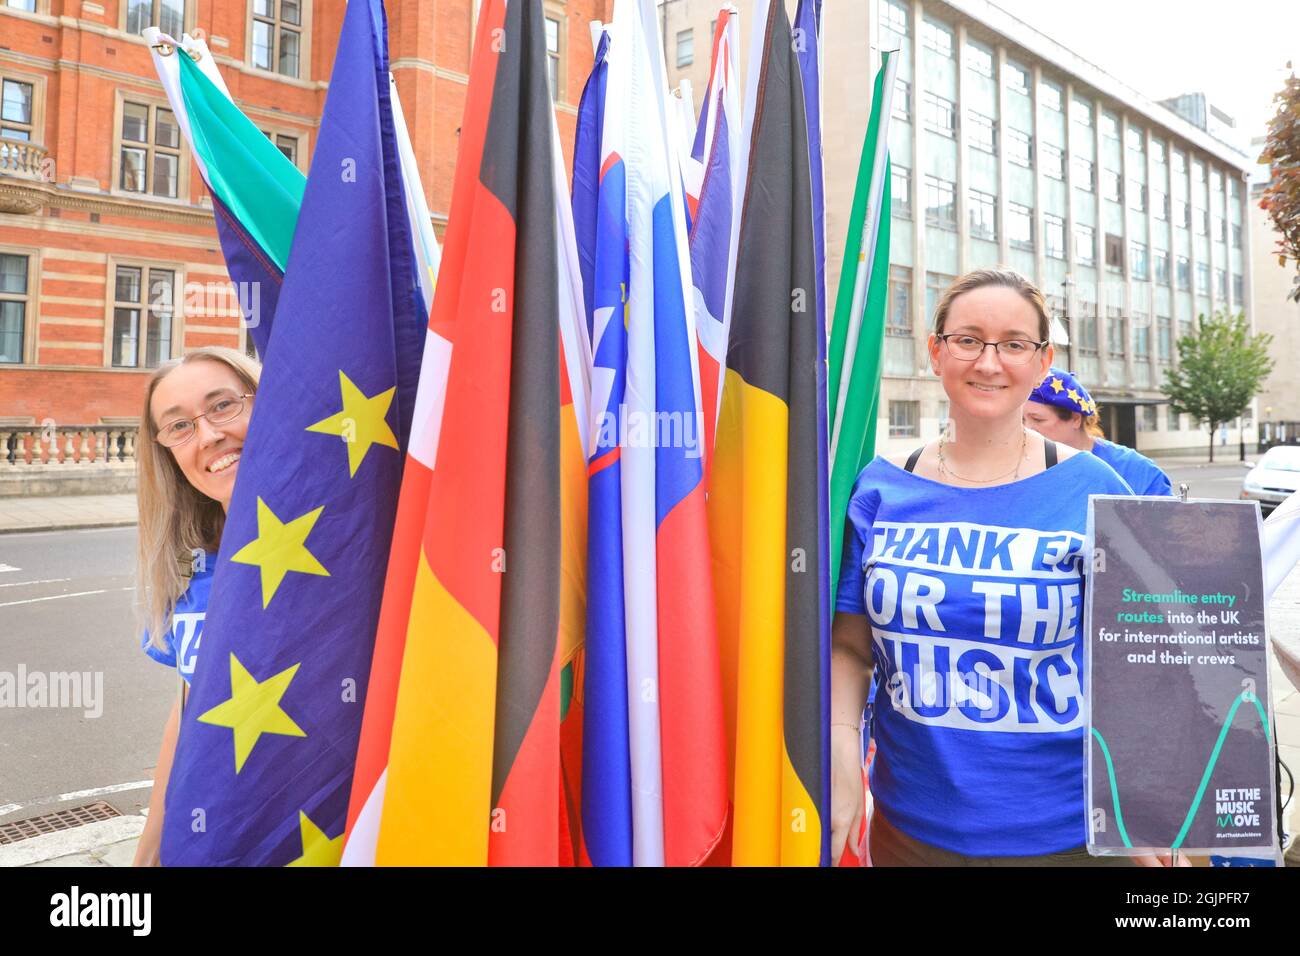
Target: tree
column 1281, row 200
column 1221, row 367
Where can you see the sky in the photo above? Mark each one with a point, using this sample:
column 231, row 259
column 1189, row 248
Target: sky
column 1235, row 52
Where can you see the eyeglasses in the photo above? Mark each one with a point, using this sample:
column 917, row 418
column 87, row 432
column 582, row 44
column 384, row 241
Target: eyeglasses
column 224, row 409
column 967, row 348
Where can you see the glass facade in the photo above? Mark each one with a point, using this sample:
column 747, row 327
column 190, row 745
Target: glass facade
column 1132, row 227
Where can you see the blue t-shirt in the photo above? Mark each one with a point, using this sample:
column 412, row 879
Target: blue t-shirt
column 1142, row 474
column 187, row 623
column 974, row 598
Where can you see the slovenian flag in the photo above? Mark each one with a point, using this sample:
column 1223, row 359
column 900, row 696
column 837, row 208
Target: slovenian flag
column 675, row 708
column 256, row 191
column 764, row 499
column 265, row 757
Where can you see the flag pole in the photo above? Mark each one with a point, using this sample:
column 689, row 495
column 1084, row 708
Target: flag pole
column 867, row 249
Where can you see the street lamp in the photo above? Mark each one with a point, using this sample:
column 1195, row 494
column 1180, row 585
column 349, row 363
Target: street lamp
column 1066, row 286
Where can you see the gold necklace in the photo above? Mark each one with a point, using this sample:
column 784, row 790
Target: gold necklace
column 945, row 470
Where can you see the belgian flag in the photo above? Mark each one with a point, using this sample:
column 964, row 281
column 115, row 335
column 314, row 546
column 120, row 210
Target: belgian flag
column 765, row 520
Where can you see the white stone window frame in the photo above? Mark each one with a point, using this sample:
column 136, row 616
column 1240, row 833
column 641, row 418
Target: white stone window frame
column 304, row 31
column 559, row 55
column 30, row 300
column 189, row 16
column 182, row 152
column 111, row 303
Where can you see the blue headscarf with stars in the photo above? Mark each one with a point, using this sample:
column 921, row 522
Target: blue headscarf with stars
column 1063, row 390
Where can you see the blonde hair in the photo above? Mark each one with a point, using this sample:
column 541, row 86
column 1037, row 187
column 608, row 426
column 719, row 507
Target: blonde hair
column 1006, row 278
column 177, row 521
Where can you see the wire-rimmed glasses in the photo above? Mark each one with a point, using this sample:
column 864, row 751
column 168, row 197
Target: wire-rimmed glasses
column 968, row 348
column 222, row 410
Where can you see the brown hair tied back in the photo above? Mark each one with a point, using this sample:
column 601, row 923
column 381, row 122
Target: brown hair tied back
column 1007, row 278
column 1091, row 423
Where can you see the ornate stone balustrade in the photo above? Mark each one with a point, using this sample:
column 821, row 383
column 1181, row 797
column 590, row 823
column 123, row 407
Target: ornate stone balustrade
column 65, row 445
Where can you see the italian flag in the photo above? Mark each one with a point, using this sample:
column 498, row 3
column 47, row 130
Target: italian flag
column 858, row 327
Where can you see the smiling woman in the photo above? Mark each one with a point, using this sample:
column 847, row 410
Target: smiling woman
column 961, row 587
column 192, row 428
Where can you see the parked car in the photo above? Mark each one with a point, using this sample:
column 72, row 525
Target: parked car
column 1275, row 477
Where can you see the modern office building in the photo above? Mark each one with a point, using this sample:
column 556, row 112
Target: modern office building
column 109, row 259
column 1010, row 148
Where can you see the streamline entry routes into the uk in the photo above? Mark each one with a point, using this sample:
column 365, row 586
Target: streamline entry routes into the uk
column 1178, row 597
column 1178, row 675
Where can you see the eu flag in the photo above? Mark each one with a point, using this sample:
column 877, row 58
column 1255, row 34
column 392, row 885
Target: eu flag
column 269, row 735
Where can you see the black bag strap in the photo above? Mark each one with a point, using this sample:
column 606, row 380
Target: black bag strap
column 913, row 458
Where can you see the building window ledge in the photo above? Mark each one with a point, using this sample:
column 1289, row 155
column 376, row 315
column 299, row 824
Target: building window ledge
column 270, row 75
column 39, row 17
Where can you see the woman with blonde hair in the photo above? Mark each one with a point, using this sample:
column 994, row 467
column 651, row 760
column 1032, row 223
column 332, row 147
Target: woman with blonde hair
column 192, row 428
column 962, row 584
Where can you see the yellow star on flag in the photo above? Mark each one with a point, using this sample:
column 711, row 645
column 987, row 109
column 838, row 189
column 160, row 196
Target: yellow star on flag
column 361, row 423
column 253, row 709
column 317, row 848
column 1057, row 386
column 279, row 548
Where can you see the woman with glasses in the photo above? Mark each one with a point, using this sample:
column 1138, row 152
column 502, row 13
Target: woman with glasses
column 1061, row 409
column 962, row 585
column 192, row 428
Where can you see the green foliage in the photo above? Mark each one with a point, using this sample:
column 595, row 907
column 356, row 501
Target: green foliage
column 1221, row 367
column 1281, row 200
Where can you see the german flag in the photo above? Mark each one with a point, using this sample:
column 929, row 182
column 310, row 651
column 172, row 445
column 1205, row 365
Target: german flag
column 473, row 763
column 765, row 520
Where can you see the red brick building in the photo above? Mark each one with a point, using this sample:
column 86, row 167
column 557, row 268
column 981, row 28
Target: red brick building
column 109, row 259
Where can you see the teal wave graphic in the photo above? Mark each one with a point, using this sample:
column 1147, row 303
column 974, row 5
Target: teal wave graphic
column 1245, row 695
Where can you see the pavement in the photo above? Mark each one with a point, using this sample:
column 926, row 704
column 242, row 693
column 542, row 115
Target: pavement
column 113, row 842
column 103, row 843
column 1181, row 463
column 20, row 513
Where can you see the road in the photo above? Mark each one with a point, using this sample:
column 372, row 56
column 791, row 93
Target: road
column 1219, row 480
column 66, row 606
